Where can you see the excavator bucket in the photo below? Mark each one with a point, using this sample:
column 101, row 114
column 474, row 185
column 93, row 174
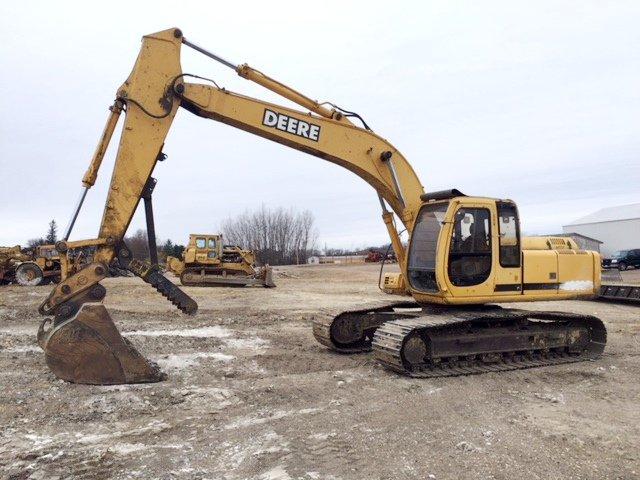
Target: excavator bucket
column 88, row 348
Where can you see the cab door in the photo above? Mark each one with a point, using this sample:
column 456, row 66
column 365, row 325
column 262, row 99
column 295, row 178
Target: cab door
column 201, row 249
column 508, row 274
column 214, row 248
column 470, row 257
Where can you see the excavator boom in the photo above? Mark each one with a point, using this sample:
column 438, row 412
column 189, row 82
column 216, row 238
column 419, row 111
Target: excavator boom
column 81, row 332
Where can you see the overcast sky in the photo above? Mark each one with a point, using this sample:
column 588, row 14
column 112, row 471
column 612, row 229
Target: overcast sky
column 534, row 101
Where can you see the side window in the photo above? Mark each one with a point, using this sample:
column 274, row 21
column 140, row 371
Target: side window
column 509, row 235
column 470, row 250
column 212, row 243
column 201, row 243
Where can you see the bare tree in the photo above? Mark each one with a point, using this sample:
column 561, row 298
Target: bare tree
column 138, row 244
column 35, row 242
column 277, row 236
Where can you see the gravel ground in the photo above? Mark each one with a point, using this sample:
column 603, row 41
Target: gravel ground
column 250, row 394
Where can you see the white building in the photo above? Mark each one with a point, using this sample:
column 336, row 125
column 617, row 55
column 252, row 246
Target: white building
column 618, row 228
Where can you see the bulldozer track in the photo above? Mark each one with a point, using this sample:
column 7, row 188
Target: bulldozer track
column 194, row 278
column 391, row 338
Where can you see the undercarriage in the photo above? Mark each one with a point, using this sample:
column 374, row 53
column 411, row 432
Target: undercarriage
column 448, row 341
column 219, row 277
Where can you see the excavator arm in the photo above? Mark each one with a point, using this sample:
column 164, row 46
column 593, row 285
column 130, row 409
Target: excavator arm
column 83, row 345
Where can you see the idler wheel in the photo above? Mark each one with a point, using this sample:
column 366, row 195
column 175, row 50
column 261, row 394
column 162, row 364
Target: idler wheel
column 414, row 350
column 346, row 329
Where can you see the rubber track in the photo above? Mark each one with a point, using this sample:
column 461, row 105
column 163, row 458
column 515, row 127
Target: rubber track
column 388, row 341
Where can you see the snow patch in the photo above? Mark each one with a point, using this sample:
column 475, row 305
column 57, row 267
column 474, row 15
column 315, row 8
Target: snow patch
column 236, row 454
column 250, row 421
column 178, row 361
column 18, row 331
column 203, row 332
column 153, row 427
column 127, row 448
column 221, row 397
column 23, row 349
column 39, row 441
column 276, row 473
column 577, row 286
column 255, row 343
column 321, row 436
column 220, row 393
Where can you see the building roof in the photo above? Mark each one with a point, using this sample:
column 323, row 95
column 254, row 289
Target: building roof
column 571, row 234
column 610, row 214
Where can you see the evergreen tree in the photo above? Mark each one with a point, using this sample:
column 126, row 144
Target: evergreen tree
column 166, row 250
column 178, row 250
column 52, row 233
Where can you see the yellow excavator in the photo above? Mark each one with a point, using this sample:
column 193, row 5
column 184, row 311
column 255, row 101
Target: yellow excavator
column 465, row 253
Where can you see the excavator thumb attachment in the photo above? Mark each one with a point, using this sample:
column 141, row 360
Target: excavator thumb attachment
column 87, row 348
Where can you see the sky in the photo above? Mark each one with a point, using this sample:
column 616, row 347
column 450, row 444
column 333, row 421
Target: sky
column 534, row 101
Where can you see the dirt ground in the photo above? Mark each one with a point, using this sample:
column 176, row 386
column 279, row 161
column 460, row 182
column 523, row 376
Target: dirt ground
column 250, row 394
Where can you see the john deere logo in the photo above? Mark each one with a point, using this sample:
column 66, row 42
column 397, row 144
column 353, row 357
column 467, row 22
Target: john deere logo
column 292, row 125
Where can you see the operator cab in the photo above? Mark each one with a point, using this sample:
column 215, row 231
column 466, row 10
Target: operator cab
column 452, row 245
column 207, row 247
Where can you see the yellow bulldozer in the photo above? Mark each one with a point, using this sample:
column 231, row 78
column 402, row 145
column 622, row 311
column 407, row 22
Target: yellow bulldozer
column 35, row 267
column 208, row 262
column 465, row 254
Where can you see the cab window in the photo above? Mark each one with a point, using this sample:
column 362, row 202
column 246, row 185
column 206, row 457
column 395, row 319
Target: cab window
column 201, row 243
column 509, row 235
column 470, row 252
column 423, row 247
column 212, row 243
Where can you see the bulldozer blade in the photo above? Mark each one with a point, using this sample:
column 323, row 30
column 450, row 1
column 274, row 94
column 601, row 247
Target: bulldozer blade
column 88, row 348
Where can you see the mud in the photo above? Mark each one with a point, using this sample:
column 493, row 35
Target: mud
column 250, row 394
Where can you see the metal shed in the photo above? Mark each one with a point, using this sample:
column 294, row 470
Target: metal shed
column 618, row 228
